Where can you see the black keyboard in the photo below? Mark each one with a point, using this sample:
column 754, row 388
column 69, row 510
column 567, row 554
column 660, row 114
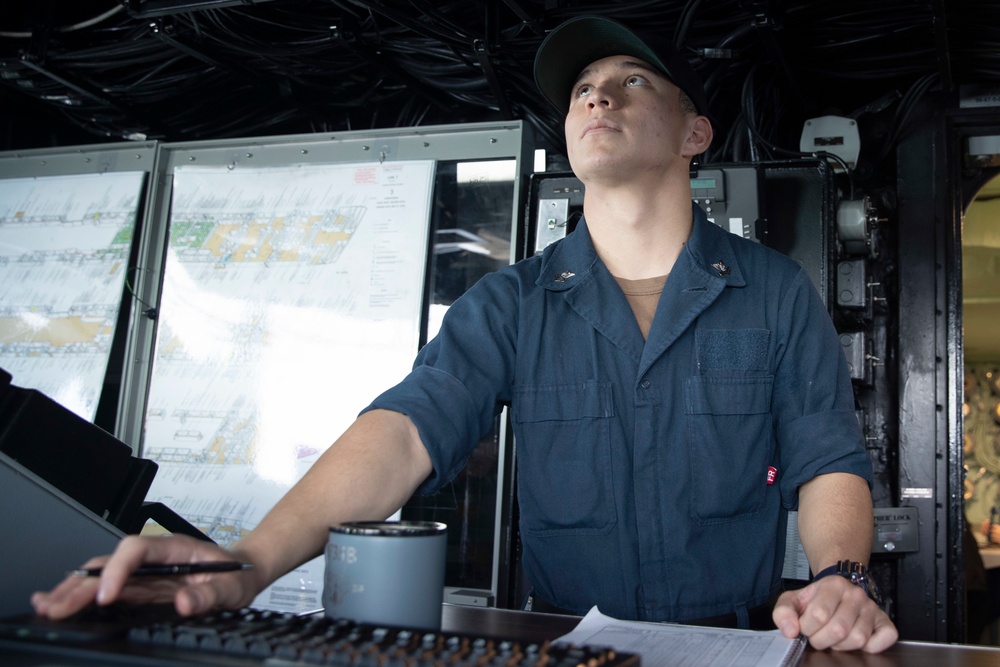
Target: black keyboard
column 275, row 638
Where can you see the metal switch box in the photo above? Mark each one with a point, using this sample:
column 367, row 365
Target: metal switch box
column 895, row 530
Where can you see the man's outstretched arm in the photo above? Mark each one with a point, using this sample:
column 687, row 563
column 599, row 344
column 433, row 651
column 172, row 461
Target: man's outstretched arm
column 367, row 474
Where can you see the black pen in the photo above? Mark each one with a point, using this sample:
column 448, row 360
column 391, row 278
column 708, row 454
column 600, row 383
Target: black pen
column 167, row 570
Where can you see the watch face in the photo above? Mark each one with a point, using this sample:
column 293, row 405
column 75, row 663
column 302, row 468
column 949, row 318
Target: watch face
column 859, row 576
column 869, row 586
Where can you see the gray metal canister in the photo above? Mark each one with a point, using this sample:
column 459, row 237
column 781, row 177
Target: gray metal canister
column 386, row 572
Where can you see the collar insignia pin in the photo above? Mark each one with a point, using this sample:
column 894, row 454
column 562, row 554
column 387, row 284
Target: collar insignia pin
column 721, row 267
column 561, row 278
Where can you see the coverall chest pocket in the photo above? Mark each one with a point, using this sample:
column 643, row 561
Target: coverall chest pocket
column 730, row 440
column 564, row 457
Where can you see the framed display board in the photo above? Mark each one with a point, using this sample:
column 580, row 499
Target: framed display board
column 291, row 284
column 68, row 219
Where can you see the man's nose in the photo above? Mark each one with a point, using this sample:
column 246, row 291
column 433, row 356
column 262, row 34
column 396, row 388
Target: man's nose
column 603, row 95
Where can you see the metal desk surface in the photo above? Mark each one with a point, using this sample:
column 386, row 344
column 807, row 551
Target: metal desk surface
column 525, row 626
column 537, row 627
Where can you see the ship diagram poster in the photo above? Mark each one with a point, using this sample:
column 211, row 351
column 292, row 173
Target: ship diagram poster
column 291, row 298
column 64, row 249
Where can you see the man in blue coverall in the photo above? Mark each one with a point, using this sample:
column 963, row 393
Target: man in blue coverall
column 675, row 390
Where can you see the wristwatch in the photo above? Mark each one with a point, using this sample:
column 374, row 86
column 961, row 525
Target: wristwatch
column 858, row 575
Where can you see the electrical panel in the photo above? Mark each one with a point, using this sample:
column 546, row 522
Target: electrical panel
column 558, row 207
column 730, row 195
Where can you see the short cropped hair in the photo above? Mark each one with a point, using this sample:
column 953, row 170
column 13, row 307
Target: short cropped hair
column 687, row 106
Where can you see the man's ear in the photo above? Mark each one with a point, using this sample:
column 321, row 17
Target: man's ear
column 699, row 137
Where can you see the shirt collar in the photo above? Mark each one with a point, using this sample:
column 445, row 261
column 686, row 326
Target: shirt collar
column 572, row 260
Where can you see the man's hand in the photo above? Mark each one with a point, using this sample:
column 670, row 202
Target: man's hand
column 834, row 614
column 191, row 594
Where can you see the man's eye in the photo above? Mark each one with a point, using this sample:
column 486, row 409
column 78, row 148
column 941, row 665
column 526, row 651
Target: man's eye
column 583, row 90
column 636, row 80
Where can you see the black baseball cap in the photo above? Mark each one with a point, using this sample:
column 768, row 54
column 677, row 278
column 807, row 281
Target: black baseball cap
column 576, row 43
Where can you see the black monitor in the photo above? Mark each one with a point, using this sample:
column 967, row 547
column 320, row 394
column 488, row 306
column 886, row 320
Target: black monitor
column 82, row 460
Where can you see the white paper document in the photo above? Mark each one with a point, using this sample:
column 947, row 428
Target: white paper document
column 672, row 645
column 292, row 297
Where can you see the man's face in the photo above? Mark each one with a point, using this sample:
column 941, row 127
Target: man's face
column 625, row 118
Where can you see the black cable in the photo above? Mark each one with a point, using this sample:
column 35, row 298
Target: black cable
column 905, row 109
column 843, row 54
column 756, row 137
column 150, row 311
column 684, row 23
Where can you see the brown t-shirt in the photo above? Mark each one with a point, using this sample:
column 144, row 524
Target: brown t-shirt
column 643, row 295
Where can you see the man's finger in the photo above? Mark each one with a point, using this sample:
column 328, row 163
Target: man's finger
column 70, row 596
column 130, row 553
column 851, row 627
column 885, row 634
column 830, row 620
column 787, row 610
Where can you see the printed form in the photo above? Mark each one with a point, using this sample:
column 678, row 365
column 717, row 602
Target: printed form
column 672, row 645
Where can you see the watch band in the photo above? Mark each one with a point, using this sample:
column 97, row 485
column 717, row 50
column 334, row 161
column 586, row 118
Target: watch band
column 857, row 573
